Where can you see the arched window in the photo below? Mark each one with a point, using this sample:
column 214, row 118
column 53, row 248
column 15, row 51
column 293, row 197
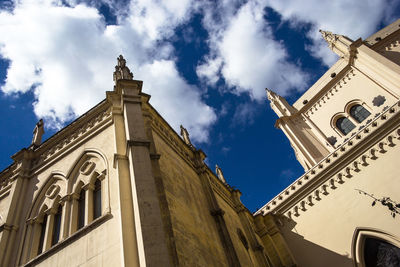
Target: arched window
column 42, row 234
column 97, row 199
column 344, row 125
column 380, row 253
column 359, row 113
column 56, row 226
column 81, row 209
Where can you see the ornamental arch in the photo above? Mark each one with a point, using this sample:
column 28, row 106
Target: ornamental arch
column 55, row 210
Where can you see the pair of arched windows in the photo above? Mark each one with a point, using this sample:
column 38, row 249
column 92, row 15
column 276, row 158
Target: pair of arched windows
column 358, row 113
column 66, row 203
column 52, row 222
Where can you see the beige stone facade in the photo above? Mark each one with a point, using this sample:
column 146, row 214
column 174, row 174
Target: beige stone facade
column 345, row 131
column 119, row 187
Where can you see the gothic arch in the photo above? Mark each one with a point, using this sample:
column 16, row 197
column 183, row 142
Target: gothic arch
column 87, row 168
column 358, row 243
column 51, row 191
column 335, row 119
column 54, row 208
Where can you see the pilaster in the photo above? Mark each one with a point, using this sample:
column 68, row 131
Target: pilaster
column 216, row 211
column 257, row 248
column 134, row 165
column 14, row 220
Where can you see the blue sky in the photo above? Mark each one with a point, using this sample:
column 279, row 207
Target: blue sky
column 205, row 63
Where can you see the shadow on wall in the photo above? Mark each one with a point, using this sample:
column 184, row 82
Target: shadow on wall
column 309, row 254
column 392, row 55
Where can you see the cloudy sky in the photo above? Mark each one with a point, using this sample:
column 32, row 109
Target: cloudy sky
column 205, row 63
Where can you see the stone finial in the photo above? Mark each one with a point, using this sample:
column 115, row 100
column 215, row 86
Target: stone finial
column 122, row 72
column 329, row 37
column 38, row 133
column 270, row 94
column 185, row 136
column 279, row 104
column 339, row 44
column 219, row 173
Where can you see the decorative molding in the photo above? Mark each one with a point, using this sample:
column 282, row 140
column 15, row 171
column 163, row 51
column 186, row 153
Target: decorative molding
column 67, row 140
column 138, row 142
column 320, row 188
column 171, row 138
column 329, row 93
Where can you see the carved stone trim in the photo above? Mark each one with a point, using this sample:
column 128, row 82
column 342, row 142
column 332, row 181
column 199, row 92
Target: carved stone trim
column 138, row 142
column 79, row 130
column 330, row 93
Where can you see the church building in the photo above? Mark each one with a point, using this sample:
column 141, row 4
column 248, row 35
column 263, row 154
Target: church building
column 119, row 187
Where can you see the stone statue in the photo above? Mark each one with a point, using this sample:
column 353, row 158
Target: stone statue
column 219, row 173
column 122, row 72
column 185, row 136
column 38, row 133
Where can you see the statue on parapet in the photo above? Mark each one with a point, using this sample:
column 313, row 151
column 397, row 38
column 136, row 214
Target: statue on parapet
column 185, row 136
column 122, row 72
column 38, row 133
column 219, row 173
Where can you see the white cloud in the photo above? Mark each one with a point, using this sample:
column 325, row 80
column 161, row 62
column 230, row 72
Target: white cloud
column 184, row 101
column 351, row 18
column 247, row 56
column 67, row 56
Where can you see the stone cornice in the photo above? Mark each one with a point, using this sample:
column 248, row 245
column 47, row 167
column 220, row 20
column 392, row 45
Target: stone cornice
column 352, row 156
column 328, row 93
column 72, row 135
column 167, row 133
column 388, row 44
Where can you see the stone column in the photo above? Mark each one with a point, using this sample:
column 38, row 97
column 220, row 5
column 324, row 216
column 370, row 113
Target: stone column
column 10, row 238
column 66, row 216
column 88, row 203
column 49, row 229
column 74, row 214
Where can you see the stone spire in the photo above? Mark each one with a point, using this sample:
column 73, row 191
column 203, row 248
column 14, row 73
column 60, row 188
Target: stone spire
column 38, row 133
column 219, row 173
column 185, row 136
column 339, row 44
column 329, row 37
column 122, row 72
column 279, row 104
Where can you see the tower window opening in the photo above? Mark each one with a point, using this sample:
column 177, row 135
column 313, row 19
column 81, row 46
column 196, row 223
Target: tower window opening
column 359, row 113
column 344, row 125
